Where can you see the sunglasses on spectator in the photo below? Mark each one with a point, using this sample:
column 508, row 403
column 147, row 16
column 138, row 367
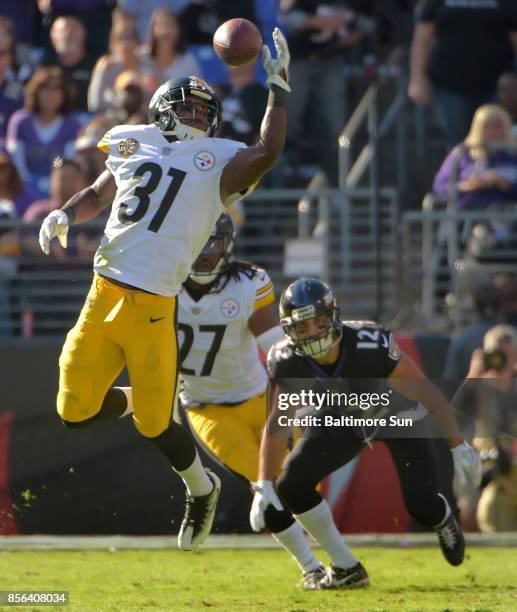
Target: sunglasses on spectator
column 127, row 38
column 5, row 51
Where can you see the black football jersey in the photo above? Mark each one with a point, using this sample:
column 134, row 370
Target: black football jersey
column 368, row 355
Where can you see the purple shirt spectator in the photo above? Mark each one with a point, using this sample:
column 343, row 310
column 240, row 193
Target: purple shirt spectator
column 33, row 146
column 459, row 166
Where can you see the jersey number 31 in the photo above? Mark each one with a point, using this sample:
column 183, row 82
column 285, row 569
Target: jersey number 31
column 143, row 194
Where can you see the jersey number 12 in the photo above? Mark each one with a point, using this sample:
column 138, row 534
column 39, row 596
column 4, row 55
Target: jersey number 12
column 144, row 192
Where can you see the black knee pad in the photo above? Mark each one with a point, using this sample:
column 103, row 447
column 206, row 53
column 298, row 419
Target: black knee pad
column 298, row 494
column 277, row 520
column 177, row 444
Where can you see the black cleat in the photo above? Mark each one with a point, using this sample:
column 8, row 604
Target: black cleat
column 199, row 516
column 345, row 578
column 311, row 579
column 451, row 539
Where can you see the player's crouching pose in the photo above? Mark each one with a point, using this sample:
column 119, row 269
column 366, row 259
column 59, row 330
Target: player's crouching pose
column 320, row 346
column 167, row 182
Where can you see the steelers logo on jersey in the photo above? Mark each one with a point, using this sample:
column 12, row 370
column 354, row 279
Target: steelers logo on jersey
column 229, row 308
column 128, row 147
column 204, row 160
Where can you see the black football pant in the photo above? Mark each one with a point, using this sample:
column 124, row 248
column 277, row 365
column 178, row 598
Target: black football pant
column 319, row 453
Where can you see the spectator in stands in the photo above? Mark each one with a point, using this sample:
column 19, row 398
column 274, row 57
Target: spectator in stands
column 490, row 396
column 10, row 189
column 243, row 103
column 11, row 91
column 507, row 97
column 485, row 174
column 458, row 52
column 68, row 37
column 164, row 56
column 45, row 129
column 487, row 299
column 123, row 56
column 95, row 16
column 318, row 35
column 25, row 58
column 140, row 12
column 200, row 19
column 129, row 100
column 90, row 158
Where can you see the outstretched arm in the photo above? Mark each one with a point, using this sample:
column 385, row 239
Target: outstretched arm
column 249, row 165
column 81, row 207
column 410, row 382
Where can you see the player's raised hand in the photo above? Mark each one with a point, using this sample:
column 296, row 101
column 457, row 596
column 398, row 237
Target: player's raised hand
column 467, row 464
column 264, row 496
column 277, row 69
column 55, row 225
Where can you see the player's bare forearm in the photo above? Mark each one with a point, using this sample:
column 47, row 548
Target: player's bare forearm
column 410, row 382
column 249, row 165
column 272, row 453
column 89, row 202
column 274, row 440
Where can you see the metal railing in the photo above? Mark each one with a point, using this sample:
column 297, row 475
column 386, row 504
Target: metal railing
column 359, row 215
column 439, row 269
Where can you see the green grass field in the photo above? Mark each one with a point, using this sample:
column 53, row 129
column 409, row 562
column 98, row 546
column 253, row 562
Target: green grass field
column 402, row 579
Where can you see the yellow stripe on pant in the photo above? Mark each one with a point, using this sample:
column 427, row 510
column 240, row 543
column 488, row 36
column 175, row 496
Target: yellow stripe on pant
column 117, row 327
column 232, row 433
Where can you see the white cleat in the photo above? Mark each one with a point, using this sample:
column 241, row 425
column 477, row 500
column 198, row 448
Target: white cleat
column 199, row 516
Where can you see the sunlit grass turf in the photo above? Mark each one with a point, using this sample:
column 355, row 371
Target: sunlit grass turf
column 402, row 579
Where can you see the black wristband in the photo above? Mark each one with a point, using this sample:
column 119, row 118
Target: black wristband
column 70, row 213
column 277, row 96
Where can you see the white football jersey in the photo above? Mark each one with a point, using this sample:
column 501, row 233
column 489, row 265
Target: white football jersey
column 167, row 203
column 219, row 355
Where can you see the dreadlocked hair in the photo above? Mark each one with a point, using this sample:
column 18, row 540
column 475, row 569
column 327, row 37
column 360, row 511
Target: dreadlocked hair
column 235, row 268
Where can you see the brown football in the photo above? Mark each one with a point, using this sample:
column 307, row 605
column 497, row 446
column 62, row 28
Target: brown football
column 237, row 42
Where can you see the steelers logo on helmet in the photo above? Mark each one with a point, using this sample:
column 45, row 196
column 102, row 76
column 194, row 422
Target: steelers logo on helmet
column 310, row 300
column 185, row 108
column 216, row 255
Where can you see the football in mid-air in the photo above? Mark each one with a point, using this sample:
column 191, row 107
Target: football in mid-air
column 237, row 42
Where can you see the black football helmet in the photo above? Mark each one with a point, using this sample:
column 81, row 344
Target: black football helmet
column 305, row 299
column 216, row 255
column 165, row 107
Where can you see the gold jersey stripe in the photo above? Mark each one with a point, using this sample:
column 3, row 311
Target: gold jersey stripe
column 264, row 301
column 264, row 289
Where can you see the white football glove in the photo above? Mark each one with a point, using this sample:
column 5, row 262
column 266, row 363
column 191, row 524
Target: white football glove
column 264, row 496
column 467, row 464
column 55, row 225
column 274, row 67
